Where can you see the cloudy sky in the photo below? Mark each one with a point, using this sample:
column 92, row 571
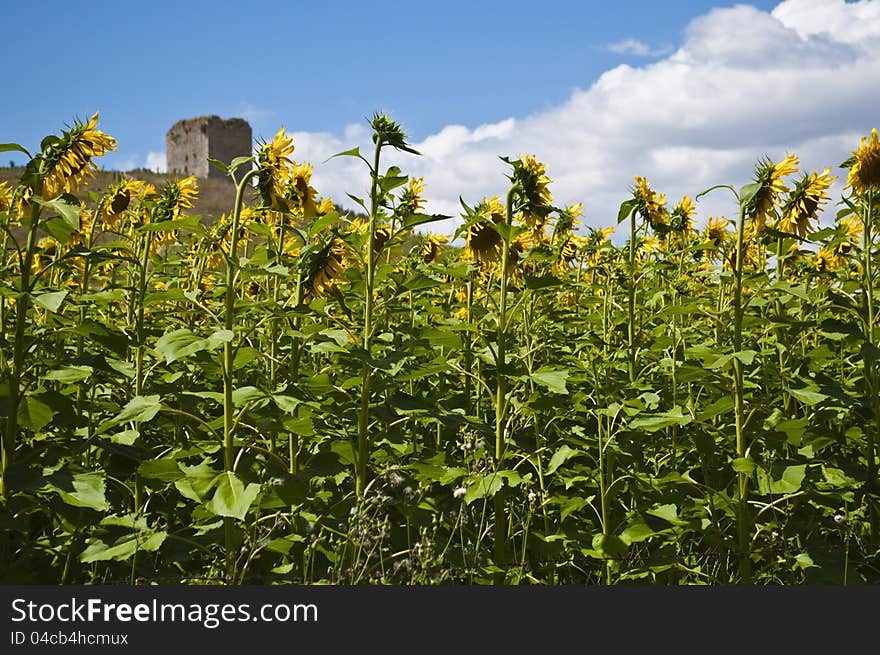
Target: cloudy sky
column 688, row 94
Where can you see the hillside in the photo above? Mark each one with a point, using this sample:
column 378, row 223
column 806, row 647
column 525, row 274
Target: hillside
column 216, row 196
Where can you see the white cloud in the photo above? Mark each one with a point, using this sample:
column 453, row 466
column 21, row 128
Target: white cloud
column 744, row 83
column 636, row 47
column 156, row 162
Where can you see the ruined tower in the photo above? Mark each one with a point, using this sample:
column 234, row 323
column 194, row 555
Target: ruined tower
column 191, row 141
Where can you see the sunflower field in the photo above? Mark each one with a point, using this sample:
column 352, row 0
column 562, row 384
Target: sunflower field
column 295, row 393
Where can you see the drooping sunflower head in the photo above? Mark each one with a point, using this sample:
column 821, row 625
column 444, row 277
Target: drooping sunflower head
column 534, row 197
column 118, row 198
column 768, row 177
column 325, row 206
column 275, row 164
column 803, row 203
column 864, row 165
column 381, row 235
column 651, row 206
column 302, row 193
column 176, row 197
column 66, row 161
column 682, row 217
column 411, row 200
column 326, row 267
column 432, row 247
column 826, row 261
column 6, row 196
column 717, row 235
column 483, row 242
column 567, row 222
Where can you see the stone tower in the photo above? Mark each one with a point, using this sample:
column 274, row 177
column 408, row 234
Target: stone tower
column 191, row 141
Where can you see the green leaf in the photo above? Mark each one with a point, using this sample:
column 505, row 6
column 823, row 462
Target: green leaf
column 13, row 147
column 744, row 465
column 139, row 408
column 58, row 228
column 421, row 219
column 668, row 512
column 51, row 300
column 239, row 161
column 636, row 532
column 609, row 545
column 232, row 498
column 70, row 213
column 183, row 343
column 560, row 457
column 627, row 207
column 34, row 414
column 807, row 396
column 199, row 480
column 660, row 420
column 441, row 338
column 552, row 378
column 219, row 165
column 164, row 469
column 126, row 547
column 88, row 491
column 70, row 374
column 747, row 195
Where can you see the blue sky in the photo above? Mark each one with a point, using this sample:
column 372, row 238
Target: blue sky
column 601, row 91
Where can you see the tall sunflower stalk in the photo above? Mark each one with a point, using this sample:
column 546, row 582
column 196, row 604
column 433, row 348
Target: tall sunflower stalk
column 386, row 132
column 864, row 180
column 61, row 166
column 528, row 197
column 758, row 202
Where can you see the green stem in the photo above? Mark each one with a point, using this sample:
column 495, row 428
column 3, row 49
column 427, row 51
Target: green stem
column 870, row 333
column 228, row 360
column 631, row 317
column 363, row 446
column 743, row 528
column 22, row 305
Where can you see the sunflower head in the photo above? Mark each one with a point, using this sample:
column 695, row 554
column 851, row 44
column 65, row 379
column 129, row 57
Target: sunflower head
column 6, row 196
column 387, row 132
column 432, row 247
column 826, row 261
column 534, row 198
column 804, row 202
column 770, row 188
column 176, row 197
column 302, row 193
column 567, row 222
column 651, row 206
column 483, row 242
column 682, row 217
column 411, row 200
column 864, row 165
column 65, row 161
column 118, row 199
column 274, row 169
column 325, row 267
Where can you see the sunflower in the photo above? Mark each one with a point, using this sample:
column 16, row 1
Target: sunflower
column 303, row 194
column 804, row 201
column 682, row 218
column 864, row 165
column 432, row 247
column 118, row 198
column 325, row 269
column 411, row 200
column 274, row 171
column 175, row 197
column 325, row 206
column 826, row 261
column 768, row 177
column 716, row 233
column 67, row 160
column 6, row 195
column 852, row 232
column 483, row 243
column 567, row 222
column 535, row 197
column 651, row 206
